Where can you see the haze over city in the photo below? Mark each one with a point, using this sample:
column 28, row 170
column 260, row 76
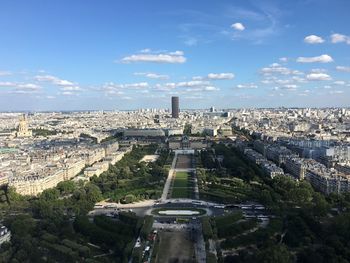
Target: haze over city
column 126, row 55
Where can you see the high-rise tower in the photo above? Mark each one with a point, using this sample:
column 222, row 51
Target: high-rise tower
column 175, row 107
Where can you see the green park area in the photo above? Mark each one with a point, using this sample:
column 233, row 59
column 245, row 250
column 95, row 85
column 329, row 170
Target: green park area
column 182, row 187
column 181, row 179
column 303, row 226
column 55, row 225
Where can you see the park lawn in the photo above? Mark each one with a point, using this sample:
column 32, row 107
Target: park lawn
column 180, row 193
column 181, row 187
column 181, row 179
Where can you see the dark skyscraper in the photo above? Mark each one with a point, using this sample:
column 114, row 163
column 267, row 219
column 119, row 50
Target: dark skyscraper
column 175, row 107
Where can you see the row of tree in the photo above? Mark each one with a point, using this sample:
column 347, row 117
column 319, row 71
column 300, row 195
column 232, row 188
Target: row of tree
column 307, row 226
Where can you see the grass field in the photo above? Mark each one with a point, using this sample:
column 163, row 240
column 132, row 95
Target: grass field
column 180, row 193
column 181, row 179
column 181, row 186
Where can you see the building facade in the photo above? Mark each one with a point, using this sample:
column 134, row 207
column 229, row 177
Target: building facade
column 23, row 130
column 175, row 107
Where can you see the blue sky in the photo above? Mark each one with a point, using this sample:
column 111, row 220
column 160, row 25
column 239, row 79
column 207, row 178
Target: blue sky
column 93, row 55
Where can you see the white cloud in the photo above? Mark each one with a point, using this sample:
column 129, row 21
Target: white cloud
column 145, row 50
column 276, row 94
column 282, row 81
column 244, row 96
column 151, row 75
column 266, row 81
column 71, row 88
column 298, row 79
column 318, row 77
column 318, row 70
column 171, row 57
column 7, row 84
column 320, row 59
column 112, row 85
column 340, row 82
column 290, row 87
column 343, row 69
column 283, row 59
column 67, row 87
column 200, row 89
column 303, row 94
column 139, row 85
column 313, row 39
column 266, row 22
column 211, row 88
column 156, row 76
column 216, row 76
column 165, row 87
column 21, row 88
column 238, row 26
column 247, row 86
column 276, row 68
column 53, row 80
column 192, row 83
column 28, row 86
column 332, row 92
column 5, row 73
column 68, row 93
column 195, row 97
column 339, row 38
column 191, row 41
column 117, row 89
column 114, row 92
column 187, row 86
column 177, row 53
column 19, row 91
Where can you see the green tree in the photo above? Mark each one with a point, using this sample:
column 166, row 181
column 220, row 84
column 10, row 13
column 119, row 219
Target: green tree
column 93, row 193
column 50, row 194
column 321, row 206
column 66, row 187
column 265, row 197
column 129, row 199
column 22, row 225
column 187, row 129
column 276, row 253
column 300, row 196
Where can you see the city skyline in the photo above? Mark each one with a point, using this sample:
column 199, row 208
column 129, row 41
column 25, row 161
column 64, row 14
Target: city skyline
column 247, row 54
column 175, row 131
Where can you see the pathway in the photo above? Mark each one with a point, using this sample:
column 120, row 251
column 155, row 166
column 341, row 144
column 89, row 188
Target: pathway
column 199, row 246
column 169, row 179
